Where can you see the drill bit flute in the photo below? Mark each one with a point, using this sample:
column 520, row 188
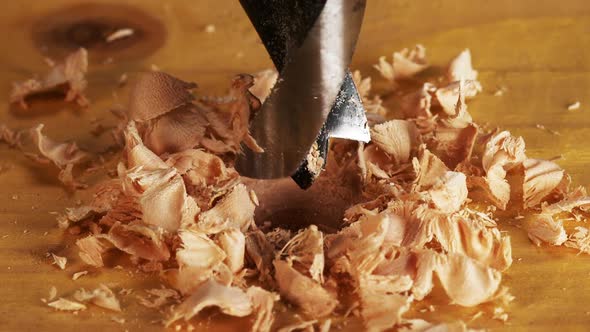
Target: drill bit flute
column 311, row 43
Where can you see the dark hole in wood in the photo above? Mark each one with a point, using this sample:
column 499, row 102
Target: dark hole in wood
column 89, row 25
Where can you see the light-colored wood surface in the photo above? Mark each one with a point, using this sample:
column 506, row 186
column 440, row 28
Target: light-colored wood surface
column 538, row 50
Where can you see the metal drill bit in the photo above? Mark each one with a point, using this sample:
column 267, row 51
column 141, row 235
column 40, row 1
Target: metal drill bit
column 310, row 43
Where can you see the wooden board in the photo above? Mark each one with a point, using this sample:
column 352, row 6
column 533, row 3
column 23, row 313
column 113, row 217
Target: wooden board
column 538, row 50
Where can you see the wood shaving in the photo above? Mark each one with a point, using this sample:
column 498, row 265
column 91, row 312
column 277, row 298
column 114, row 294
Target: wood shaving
column 59, row 261
column 579, row 239
column 218, row 125
column 63, row 155
column 66, row 305
column 460, row 67
column 574, row 106
column 52, row 293
column 91, row 249
column 263, row 83
column 102, row 297
column 543, row 228
column 303, row 291
column 263, row 303
column 405, row 64
column 67, row 77
column 79, row 275
column 541, row 177
column 230, row 300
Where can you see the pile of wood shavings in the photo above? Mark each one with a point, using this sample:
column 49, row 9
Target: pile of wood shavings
column 178, row 207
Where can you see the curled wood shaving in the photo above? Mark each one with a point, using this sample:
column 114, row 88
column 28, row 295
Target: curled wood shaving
column 543, row 228
column 303, row 291
column 233, row 243
column 306, row 251
column 102, row 297
column 172, row 122
column 397, row 138
column 404, row 65
column 263, row 83
column 157, row 93
column 263, row 303
column 67, row 77
column 450, row 96
column 579, row 239
column 198, row 258
column 91, row 249
column 61, row 154
column 79, row 275
column 466, row 281
column 230, row 300
column 541, row 177
column 381, row 306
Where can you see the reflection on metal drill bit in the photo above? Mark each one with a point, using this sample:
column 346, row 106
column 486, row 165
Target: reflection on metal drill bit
column 311, row 44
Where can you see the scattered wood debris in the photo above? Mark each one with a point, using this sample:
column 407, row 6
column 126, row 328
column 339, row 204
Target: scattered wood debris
column 102, row 297
column 177, row 206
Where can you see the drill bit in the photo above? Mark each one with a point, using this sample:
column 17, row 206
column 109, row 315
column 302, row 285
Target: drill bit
column 310, row 43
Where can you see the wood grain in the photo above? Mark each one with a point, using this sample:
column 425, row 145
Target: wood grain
column 538, row 50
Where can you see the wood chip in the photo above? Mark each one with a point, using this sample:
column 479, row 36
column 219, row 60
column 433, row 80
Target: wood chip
column 59, row 261
column 574, row 106
column 66, row 305
column 78, row 275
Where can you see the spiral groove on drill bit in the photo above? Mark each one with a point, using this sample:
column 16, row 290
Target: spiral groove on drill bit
column 310, row 43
